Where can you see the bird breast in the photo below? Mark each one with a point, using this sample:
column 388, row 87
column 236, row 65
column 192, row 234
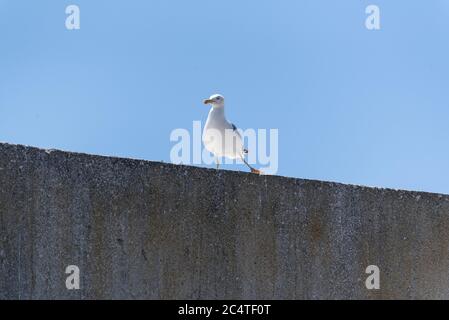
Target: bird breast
column 220, row 138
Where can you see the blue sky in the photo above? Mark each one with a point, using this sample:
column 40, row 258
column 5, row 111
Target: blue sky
column 351, row 105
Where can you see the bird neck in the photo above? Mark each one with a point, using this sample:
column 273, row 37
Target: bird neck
column 218, row 112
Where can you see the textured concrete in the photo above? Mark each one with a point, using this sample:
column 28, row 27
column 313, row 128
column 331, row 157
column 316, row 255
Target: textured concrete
column 140, row 229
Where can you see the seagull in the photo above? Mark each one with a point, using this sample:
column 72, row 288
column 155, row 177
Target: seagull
column 221, row 137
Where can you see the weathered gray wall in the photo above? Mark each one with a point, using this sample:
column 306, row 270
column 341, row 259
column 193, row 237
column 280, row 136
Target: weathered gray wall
column 140, row 229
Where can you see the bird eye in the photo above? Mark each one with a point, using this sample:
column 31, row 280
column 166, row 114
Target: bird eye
column 217, row 98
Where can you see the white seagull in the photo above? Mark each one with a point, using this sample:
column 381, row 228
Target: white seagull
column 221, row 137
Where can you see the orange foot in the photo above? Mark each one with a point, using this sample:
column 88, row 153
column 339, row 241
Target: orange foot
column 256, row 171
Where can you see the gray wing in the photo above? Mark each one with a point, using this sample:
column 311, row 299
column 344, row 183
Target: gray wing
column 235, row 130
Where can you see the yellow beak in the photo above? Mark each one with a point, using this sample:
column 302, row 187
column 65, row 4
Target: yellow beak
column 207, row 101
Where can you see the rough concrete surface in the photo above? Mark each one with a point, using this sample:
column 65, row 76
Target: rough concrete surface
column 149, row 230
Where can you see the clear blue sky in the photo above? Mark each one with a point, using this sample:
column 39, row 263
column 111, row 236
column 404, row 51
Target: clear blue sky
column 351, row 105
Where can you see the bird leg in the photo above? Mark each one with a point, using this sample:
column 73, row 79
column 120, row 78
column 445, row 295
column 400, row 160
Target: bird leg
column 218, row 162
column 253, row 170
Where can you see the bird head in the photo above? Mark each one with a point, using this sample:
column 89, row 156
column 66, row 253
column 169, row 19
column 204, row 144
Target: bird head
column 216, row 100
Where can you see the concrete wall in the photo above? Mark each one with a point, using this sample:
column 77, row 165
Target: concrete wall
column 140, row 229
